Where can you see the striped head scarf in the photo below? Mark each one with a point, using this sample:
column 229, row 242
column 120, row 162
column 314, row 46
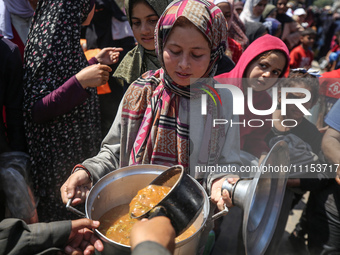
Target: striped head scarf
column 155, row 131
column 206, row 16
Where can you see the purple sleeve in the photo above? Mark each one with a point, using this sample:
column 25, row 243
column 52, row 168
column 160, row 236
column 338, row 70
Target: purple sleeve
column 93, row 61
column 59, row 101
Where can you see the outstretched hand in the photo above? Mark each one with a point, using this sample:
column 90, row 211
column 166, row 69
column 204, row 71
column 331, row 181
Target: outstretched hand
column 82, row 240
column 109, row 56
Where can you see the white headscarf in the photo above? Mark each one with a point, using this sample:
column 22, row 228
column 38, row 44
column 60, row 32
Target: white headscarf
column 247, row 13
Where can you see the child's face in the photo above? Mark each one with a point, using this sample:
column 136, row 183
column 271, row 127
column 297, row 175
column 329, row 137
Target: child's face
column 308, row 40
column 292, row 111
column 262, row 73
column 186, row 54
column 144, row 20
column 259, row 8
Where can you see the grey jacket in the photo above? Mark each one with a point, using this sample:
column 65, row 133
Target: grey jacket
column 150, row 248
column 16, row 237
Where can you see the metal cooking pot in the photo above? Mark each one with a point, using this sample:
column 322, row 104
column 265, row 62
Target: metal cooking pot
column 119, row 187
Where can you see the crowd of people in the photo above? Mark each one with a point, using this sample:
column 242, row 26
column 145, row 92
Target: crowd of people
column 70, row 116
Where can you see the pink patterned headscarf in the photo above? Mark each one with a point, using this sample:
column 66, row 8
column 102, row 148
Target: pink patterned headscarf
column 154, row 131
column 206, row 16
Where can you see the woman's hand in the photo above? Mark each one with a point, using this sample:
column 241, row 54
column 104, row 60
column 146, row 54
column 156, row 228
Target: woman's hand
column 77, row 186
column 94, row 75
column 220, row 197
column 108, row 56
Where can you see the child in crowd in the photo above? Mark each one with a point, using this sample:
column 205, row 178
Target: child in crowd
column 304, row 143
column 302, row 56
column 261, row 64
column 295, row 122
column 157, row 105
column 142, row 16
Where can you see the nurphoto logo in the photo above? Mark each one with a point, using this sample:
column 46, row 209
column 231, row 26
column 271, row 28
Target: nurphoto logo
column 239, row 99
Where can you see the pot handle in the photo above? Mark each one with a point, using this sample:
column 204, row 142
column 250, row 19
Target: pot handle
column 74, row 210
column 224, row 212
column 158, row 211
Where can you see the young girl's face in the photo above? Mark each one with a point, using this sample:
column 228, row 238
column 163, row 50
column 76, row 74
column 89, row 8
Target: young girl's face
column 262, row 73
column 292, row 111
column 144, row 20
column 186, row 54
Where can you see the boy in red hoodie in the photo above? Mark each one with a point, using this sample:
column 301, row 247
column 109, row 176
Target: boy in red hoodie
column 302, row 55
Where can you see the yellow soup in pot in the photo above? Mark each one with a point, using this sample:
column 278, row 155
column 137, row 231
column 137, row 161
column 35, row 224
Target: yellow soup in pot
column 116, row 224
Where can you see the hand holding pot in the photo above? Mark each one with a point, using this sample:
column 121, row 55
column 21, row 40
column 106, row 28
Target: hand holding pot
column 77, row 187
column 158, row 229
column 219, row 196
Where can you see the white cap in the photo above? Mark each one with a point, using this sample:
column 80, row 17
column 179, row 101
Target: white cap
column 299, row 12
column 216, row 2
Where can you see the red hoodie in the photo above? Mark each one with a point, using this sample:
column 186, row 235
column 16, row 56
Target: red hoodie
column 252, row 138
